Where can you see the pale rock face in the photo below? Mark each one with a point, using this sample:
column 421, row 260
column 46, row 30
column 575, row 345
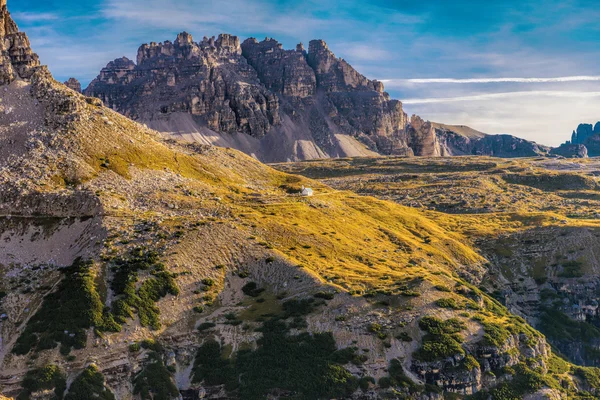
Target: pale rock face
column 73, row 84
column 288, row 104
column 209, row 79
column 17, row 60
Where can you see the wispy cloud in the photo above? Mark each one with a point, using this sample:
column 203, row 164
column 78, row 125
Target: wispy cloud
column 505, row 95
column 33, row 17
column 496, row 80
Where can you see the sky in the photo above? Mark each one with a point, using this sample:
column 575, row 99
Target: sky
column 529, row 68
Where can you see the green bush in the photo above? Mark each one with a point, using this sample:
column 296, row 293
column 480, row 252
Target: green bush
column 65, row 314
column 308, row 366
column 442, row 339
column 152, row 290
column 154, row 381
column 206, row 326
column 448, row 303
column 325, row 295
column 494, row 334
column 251, row 289
column 365, row 382
column 49, row 377
column 89, row 385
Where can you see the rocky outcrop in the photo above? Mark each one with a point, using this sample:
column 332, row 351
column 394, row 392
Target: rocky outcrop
column 571, row 150
column 277, row 104
column 209, row 80
column 584, row 132
column 307, row 102
column 434, row 140
column 586, row 135
column 17, row 60
column 73, row 84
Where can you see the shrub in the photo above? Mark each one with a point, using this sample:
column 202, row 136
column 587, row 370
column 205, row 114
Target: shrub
column 134, row 347
column 304, row 364
column 152, row 290
column 89, row 385
column 251, row 289
column 154, row 381
column 325, row 295
column 365, row 382
column 404, row 337
column 65, row 314
column 470, row 363
column 49, row 377
column 206, row 326
column 448, row 303
column 442, row 341
column 494, row 334
column 208, row 282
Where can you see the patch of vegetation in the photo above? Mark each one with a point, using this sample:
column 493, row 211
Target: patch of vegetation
column 448, row 303
column 206, row 326
column 307, row 365
column 66, row 314
column 442, row 339
column 89, row 384
column 525, row 381
column 404, row 336
column 572, row 269
column 251, row 289
column 143, row 300
column 154, row 381
column 558, row 327
column 494, row 334
column 49, row 377
column 325, row 295
column 398, row 379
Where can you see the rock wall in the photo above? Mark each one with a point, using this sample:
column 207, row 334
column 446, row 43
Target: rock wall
column 17, row 60
column 292, row 104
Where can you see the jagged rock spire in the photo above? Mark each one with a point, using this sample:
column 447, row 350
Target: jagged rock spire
column 17, row 60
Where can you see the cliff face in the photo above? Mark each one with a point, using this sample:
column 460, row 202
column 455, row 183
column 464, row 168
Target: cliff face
column 312, row 104
column 585, row 141
column 275, row 104
column 17, row 60
column 434, row 140
column 209, row 80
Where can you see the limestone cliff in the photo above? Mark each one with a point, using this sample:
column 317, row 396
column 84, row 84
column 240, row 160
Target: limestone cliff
column 275, row 104
column 585, row 141
column 17, row 60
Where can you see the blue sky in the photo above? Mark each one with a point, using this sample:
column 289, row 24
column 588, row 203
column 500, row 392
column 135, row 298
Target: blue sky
column 412, row 45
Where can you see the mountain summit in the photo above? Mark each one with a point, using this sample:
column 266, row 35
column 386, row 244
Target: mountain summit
column 276, row 104
column 16, row 58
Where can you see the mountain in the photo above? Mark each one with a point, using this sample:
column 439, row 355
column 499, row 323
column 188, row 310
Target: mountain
column 276, row 104
column 135, row 267
column 585, row 141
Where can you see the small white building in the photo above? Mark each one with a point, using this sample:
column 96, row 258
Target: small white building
column 306, row 191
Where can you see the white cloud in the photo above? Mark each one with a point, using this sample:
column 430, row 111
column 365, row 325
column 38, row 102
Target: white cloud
column 543, row 118
column 494, row 80
column 32, row 17
column 504, row 95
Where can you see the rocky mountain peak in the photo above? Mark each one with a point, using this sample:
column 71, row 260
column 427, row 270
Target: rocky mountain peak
column 73, row 84
column 184, row 38
column 17, row 60
column 335, row 74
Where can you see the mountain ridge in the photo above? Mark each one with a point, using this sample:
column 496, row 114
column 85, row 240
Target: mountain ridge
column 276, row 104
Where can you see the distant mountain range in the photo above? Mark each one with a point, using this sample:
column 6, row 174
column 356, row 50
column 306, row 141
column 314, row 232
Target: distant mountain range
column 277, row 104
column 585, row 142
